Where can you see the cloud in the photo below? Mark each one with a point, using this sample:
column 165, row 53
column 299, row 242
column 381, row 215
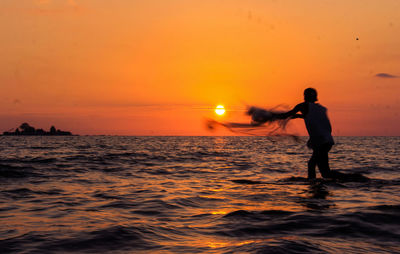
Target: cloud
column 42, row 2
column 51, row 7
column 385, row 75
column 47, row 2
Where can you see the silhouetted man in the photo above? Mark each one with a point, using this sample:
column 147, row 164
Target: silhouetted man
column 318, row 127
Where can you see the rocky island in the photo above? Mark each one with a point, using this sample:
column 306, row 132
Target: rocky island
column 26, row 130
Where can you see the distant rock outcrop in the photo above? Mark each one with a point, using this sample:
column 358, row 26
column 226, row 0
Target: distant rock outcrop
column 26, row 130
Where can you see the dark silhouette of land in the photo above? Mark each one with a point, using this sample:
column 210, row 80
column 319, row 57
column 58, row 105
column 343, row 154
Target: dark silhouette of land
column 26, row 130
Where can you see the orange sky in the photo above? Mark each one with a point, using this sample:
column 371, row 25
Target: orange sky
column 158, row 67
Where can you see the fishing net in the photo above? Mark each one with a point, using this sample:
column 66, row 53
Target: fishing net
column 264, row 122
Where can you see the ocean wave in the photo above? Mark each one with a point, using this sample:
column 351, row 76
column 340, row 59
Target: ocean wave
column 103, row 240
column 11, row 171
column 33, row 160
column 380, row 223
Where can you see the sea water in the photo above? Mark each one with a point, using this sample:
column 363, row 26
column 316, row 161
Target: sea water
column 195, row 194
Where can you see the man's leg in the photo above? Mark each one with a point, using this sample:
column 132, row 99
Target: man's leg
column 311, row 165
column 323, row 160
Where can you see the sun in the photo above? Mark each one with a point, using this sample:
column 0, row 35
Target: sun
column 219, row 110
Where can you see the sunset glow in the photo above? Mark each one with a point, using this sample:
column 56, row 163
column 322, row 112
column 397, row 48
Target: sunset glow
column 199, row 126
column 156, row 67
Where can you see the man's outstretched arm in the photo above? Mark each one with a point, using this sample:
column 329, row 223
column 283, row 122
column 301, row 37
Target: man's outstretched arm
column 292, row 113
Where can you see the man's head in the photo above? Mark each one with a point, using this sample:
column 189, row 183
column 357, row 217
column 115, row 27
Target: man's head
column 310, row 95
